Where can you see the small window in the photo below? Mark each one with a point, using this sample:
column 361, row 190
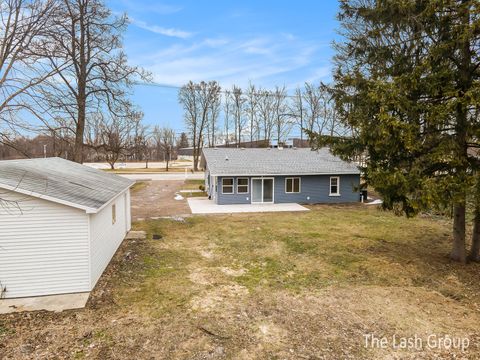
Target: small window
column 242, row 185
column 292, row 185
column 114, row 214
column 334, row 186
column 227, row 186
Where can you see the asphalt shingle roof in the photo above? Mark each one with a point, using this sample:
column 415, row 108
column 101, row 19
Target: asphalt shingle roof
column 273, row 161
column 62, row 180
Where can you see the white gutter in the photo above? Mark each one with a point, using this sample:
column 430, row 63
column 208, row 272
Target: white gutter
column 291, row 174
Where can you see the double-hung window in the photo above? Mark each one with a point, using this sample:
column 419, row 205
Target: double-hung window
column 242, row 186
column 227, row 185
column 334, row 186
column 292, row 185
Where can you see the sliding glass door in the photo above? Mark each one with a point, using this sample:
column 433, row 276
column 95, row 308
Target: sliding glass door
column 262, row 190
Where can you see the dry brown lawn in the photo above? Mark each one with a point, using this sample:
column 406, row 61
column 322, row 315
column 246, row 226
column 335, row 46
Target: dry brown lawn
column 267, row 286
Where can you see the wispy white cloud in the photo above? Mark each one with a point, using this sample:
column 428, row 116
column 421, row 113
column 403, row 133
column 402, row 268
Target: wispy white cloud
column 215, row 42
column 264, row 60
column 172, row 32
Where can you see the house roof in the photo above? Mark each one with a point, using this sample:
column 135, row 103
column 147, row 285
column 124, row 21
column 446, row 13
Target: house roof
column 274, row 161
column 62, row 181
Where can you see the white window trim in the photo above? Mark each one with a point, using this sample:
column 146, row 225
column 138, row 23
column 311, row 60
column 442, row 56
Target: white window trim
column 299, row 185
column 330, row 186
column 233, row 186
column 273, row 188
column 247, row 185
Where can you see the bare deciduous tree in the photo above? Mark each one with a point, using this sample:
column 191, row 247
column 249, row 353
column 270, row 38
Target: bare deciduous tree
column 251, row 110
column 114, row 139
column 282, row 123
column 238, row 102
column 196, row 100
column 140, row 139
column 188, row 98
column 98, row 77
column 114, row 136
column 165, row 140
column 312, row 100
column 23, row 34
column 266, row 112
column 227, row 111
column 213, row 114
column 297, row 108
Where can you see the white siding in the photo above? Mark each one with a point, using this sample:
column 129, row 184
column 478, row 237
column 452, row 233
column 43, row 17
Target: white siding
column 128, row 210
column 44, row 247
column 105, row 237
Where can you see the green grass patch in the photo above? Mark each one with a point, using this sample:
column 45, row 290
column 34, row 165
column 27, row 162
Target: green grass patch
column 157, row 281
column 4, row 330
column 329, row 245
column 193, row 184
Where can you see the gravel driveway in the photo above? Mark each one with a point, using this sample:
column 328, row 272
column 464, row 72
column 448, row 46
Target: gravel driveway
column 156, row 199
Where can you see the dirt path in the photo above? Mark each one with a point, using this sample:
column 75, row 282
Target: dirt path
column 157, row 199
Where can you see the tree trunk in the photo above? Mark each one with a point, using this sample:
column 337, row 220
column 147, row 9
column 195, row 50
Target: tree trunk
column 195, row 157
column 475, row 249
column 458, row 252
column 251, row 129
column 464, row 83
column 79, row 131
column 166, row 169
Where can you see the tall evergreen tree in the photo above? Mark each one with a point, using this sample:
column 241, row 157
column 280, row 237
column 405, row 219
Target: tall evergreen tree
column 407, row 83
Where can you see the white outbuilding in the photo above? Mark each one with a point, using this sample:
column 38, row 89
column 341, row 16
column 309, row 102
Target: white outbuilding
column 60, row 225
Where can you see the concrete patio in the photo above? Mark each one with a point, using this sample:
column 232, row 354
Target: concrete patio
column 55, row 303
column 205, row 206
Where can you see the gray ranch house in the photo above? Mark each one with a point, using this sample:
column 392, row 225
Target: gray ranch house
column 276, row 175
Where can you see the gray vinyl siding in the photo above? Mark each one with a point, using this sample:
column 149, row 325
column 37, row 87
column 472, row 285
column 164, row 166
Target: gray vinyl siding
column 235, row 198
column 313, row 189
column 316, row 189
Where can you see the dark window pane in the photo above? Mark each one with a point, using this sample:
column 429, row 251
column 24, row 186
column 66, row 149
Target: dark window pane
column 296, row 185
column 289, row 185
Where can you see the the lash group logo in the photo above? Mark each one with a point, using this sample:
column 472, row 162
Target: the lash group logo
column 417, row 343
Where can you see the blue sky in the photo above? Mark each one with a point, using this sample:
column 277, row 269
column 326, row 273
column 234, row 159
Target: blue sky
column 267, row 42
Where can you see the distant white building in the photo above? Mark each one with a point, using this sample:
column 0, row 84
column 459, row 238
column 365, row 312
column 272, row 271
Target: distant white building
column 60, row 225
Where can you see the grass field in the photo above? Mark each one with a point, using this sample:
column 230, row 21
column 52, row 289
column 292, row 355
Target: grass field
column 193, row 184
column 269, row 286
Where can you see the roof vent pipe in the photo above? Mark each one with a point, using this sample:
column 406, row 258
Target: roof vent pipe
column 226, row 157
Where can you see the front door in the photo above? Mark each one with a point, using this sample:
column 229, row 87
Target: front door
column 262, row 190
